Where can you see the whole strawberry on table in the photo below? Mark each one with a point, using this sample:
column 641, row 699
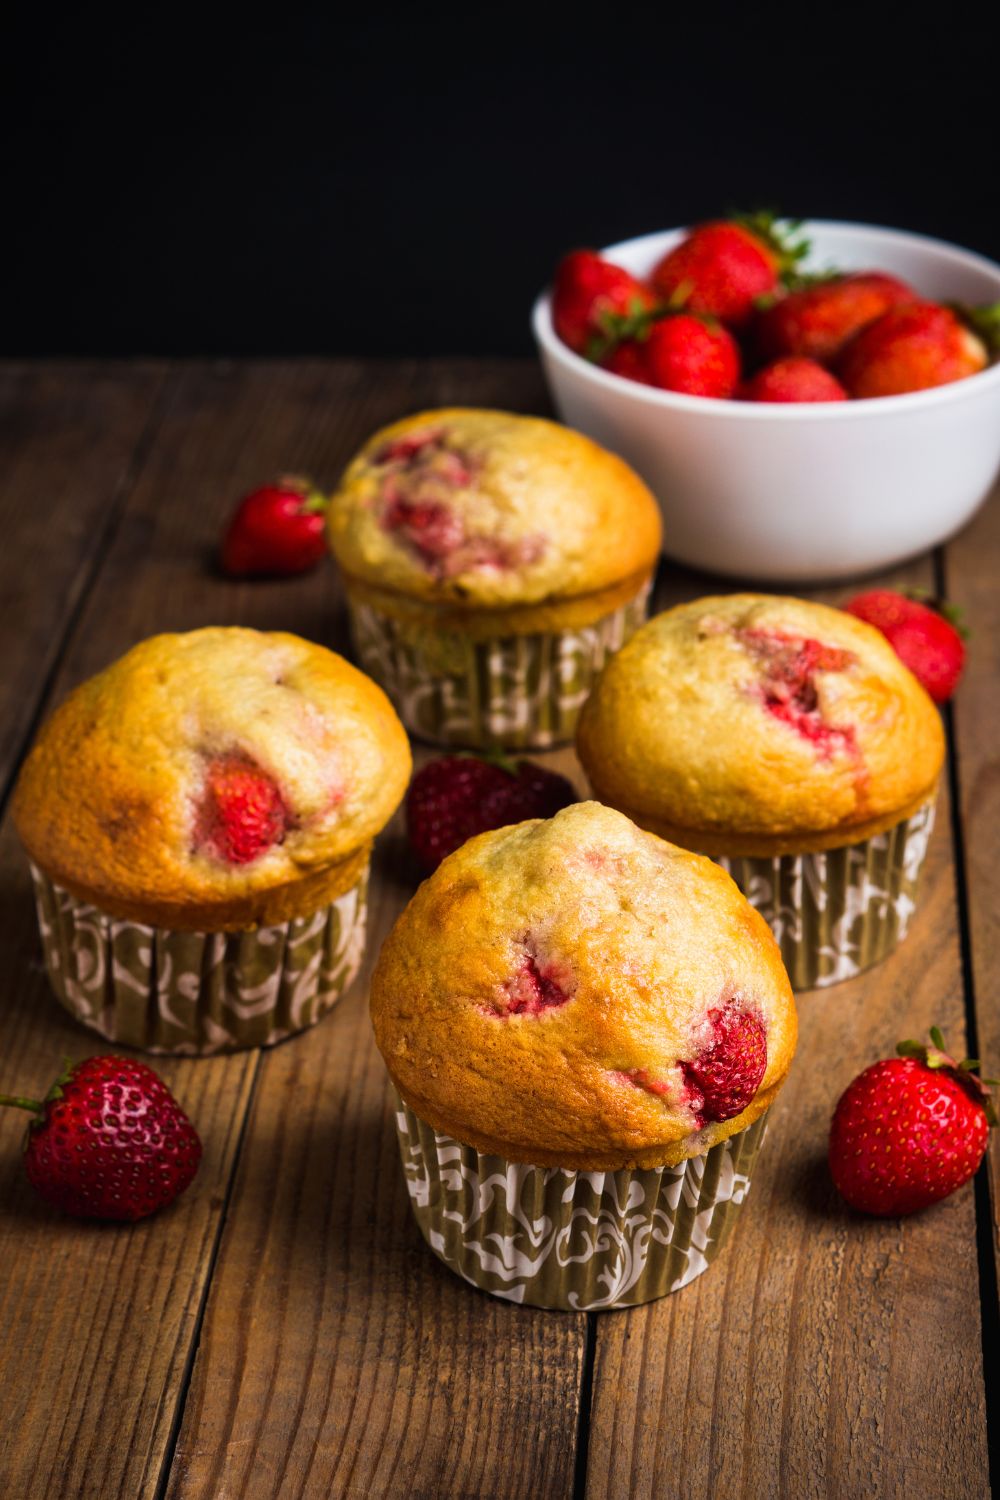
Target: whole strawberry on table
column 452, row 799
column 276, row 531
column 729, row 312
column 910, row 1129
column 108, row 1141
column 926, row 634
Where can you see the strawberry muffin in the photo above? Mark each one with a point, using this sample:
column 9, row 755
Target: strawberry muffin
column 788, row 741
column 584, row 1027
column 199, row 818
column 491, row 562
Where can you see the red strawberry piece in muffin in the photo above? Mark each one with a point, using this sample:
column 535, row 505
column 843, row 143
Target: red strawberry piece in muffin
column 418, row 492
column 816, row 322
column 243, row 813
column 789, row 667
column 537, row 986
column 793, row 380
column 723, row 1077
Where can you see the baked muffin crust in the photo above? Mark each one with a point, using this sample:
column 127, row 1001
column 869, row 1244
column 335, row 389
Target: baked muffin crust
column 551, row 994
column 118, row 801
column 488, row 510
column 757, row 724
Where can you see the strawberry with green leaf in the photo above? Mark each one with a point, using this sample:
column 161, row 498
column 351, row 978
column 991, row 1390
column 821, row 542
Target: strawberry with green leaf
column 590, row 290
column 910, row 1129
column 724, row 267
column 108, row 1141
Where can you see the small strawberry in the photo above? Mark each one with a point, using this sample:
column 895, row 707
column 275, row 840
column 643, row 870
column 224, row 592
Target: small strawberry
column 452, row 799
column 909, row 1130
column 912, row 347
column 109, row 1141
column 816, row 322
column 722, row 267
column 925, row 634
column 589, row 289
column 793, row 380
column 277, row 530
column 242, row 814
column 693, row 355
column 627, row 359
column 725, row 1075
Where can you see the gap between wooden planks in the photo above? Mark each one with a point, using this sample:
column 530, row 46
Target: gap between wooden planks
column 336, row 1356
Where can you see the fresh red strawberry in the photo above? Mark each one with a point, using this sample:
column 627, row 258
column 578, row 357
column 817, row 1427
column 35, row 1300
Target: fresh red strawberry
column 909, row 1130
column 694, row 355
column 109, row 1141
column 925, row 636
column 589, row 289
column 912, row 347
column 725, row 1075
column 277, row 530
column 628, row 359
column 243, row 813
column 722, row 267
column 816, row 322
column 793, row 380
column 452, row 799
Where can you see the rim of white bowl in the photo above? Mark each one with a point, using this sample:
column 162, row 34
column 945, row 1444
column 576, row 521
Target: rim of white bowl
column 775, row 411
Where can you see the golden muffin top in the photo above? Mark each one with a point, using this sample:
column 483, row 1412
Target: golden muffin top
column 200, row 770
column 484, row 508
column 755, row 724
column 575, row 992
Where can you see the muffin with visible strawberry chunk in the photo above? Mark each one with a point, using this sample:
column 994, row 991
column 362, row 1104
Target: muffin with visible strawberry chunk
column 788, row 741
column 491, row 563
column 199, row 818
column 585, row 1027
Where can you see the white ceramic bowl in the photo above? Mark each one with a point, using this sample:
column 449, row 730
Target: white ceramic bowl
column 794, row 494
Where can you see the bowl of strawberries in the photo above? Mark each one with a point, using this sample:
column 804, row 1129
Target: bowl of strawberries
column 808, row 401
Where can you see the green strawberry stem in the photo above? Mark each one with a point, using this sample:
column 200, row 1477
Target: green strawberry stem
column 935, row 1057
column 783, row 239
column 313, row 499
column 35, row 1105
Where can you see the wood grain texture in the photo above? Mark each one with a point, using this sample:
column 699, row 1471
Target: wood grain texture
column 337, row 1356
column 798, row 1363
column 971, row 577
column 70, row 436
column 282, row 1331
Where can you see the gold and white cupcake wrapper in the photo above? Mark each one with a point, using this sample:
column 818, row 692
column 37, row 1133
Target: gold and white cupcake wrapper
column 838, row 912
column 578, row 1241
column 198, row 993
column 516, row 692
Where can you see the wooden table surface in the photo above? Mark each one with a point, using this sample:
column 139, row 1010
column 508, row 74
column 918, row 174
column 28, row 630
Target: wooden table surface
column 282, row 1331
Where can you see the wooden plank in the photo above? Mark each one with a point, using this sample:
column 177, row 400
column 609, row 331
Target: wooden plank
column 109, row 1354
column 824, row 1353
column 971, row 577
column 69, row 434
column 337, row 1356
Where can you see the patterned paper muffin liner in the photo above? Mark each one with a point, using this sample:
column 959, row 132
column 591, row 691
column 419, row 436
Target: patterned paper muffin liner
column 194, row 992
column 517, row 692
column 838, row 912
column 579, row 1241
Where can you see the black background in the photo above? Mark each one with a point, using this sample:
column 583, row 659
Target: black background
column 402, row 183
